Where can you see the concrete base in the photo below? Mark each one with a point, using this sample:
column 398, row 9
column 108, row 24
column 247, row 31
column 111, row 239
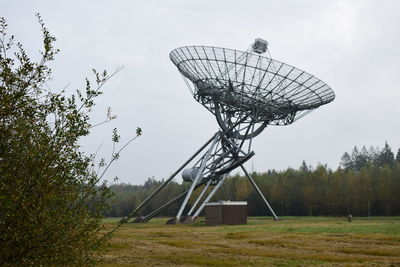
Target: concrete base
column 182, row 219
column 173, row 221
column 188, row 220
column 139, row 219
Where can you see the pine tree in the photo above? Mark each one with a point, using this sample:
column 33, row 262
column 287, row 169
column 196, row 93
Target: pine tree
column 398, row 156
column 346, row 162
column 386, row 156
column 304, row 167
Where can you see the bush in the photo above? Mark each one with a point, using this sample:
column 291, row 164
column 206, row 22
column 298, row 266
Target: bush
column 50, row 205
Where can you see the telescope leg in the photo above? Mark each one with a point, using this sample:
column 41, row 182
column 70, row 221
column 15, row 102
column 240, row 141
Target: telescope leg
column 259, row 192
column 200, row 196
column 133, row 213
column 168, row 204
column 165, row 206
column 220, row 182
column 196, row 179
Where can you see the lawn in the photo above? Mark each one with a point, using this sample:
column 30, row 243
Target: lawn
column 293, row 241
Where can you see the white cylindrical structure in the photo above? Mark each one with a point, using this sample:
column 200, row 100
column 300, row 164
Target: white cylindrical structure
column 189, row 175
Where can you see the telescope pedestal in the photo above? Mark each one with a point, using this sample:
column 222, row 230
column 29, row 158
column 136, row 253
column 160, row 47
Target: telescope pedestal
column 223, row 155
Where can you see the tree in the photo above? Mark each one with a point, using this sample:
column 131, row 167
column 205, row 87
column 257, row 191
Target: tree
column 334, row 193
column 386, row 156
column 398, row 156
column 359, row 158
column 51, row 205
column 304, row 167
column 346, row 162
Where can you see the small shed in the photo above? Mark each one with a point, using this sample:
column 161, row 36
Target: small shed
column 226, row 212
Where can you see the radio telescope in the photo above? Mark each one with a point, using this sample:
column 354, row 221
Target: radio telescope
column 246, row 91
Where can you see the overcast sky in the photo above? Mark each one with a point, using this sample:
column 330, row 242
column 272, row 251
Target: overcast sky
column 353, row 46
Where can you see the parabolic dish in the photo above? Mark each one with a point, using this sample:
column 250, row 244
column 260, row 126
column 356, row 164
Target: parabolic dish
column 232, row 83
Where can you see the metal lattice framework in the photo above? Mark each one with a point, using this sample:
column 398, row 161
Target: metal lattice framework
column 250, row 85
column 246, row 91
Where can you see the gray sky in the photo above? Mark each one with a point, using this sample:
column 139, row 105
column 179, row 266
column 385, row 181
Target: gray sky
column 353, row 46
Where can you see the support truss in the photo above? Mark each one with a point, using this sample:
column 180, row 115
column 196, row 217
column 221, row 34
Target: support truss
column 207, row 174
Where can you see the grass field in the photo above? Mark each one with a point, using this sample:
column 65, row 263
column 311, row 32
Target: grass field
column 294, row 241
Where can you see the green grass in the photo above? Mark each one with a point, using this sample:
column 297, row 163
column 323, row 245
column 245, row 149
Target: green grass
column 293, row 241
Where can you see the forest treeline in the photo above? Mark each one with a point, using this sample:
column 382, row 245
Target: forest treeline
column 366, row 183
